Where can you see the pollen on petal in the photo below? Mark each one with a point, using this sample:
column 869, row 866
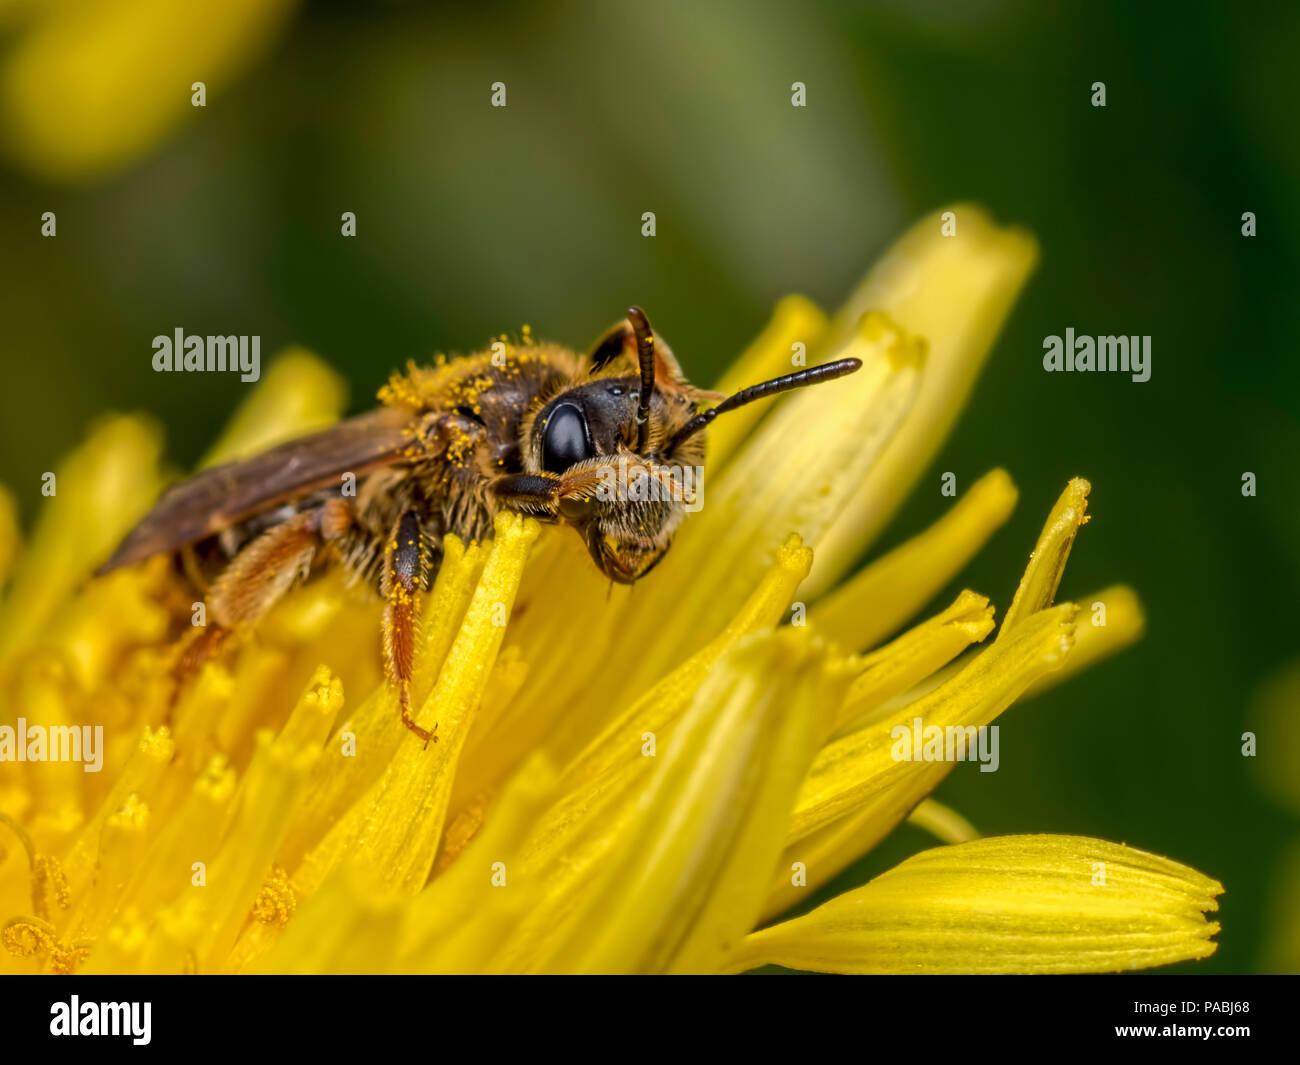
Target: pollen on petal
column 275, row 901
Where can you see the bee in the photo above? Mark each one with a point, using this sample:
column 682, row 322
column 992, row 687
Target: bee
column 533, row 428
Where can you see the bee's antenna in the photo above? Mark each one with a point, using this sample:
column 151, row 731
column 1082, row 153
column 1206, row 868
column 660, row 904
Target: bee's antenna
column 645, row 354
column 811, row 376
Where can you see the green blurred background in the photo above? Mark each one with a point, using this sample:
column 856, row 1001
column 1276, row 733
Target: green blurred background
column 474, row 220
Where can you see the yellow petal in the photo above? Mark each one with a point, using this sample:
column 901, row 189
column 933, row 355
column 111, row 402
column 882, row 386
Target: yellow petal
column 695, row 861
column 197, row 925
column 954, row 292
column 1046, row 565
column 581, row 733
column 856, row 791
column 100, row 491
column 611, row 769
column 393, row 831
column 669, row 876
column 560, row 582
column 664, row 703
column 111, row 615
column 353, row 925
column 862, row 765
column 349, row 925
column 121, row 845
column 264, row 806
column 914, row 656
column 883, row 596
column 825, row 852
column 192, row 835
column 460, row 921
column 199, row 711
column 142, row 777
column 1099, row 633
column 374, row 731
column 43, row 694
column 795, row 320
column 1011, row 904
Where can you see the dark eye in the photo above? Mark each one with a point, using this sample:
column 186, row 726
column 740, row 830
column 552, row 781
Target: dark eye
column 565, row 442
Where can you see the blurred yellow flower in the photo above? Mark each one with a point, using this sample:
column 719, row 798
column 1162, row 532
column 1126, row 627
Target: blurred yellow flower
column 626, row 781
column 87, row 87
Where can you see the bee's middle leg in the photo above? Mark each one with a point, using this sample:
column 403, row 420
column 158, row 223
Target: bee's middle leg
column 405, row 575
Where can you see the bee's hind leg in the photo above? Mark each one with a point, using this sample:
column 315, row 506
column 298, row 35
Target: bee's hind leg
column 256, row 579
column 405, row 575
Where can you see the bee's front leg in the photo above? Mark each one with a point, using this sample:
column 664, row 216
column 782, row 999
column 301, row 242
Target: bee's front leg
column 544, row 495
column 534, row 494
column 405, row 576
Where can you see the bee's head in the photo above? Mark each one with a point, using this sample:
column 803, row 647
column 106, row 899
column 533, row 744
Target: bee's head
column 624, row 491
column 618, row 455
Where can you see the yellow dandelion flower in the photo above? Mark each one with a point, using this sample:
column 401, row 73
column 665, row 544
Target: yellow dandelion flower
column 626, row 779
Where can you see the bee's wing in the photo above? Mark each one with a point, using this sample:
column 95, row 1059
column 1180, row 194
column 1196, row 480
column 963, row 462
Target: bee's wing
column 223, row 495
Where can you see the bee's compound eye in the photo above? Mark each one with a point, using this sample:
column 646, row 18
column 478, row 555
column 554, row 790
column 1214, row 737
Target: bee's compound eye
column 565, row 443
